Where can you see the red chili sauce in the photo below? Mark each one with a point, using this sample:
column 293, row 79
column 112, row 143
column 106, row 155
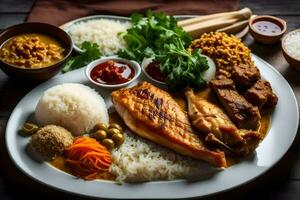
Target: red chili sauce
column 112, row 73
column 153, row 70
column 267, row 27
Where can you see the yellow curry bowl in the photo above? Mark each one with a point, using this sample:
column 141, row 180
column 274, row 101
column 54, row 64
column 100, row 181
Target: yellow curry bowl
column 34, row 51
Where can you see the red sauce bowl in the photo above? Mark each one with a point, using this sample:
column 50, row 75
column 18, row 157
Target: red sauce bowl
column 145, row 63
column 96, row 63
column 263, row 37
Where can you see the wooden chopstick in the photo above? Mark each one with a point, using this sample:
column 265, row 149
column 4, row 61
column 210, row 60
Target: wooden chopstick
column 244, row 13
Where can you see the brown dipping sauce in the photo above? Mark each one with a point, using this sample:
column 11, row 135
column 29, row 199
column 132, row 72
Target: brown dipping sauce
column 267, row 27
column 112, row 73
column 153, row 70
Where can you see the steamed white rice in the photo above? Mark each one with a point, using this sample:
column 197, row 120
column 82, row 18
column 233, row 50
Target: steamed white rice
column 104, row 32
column 139, row 160
column 73, row 106
column 292, row 44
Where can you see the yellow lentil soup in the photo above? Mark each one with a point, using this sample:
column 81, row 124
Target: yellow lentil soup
column 31, row 51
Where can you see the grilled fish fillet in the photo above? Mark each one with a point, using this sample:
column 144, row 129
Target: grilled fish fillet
column 153, row 114
column 213, row 121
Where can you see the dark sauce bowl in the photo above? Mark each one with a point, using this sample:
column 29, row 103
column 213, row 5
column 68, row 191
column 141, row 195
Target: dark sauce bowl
column 39, row 74
column 267, row 38
column 145, row 63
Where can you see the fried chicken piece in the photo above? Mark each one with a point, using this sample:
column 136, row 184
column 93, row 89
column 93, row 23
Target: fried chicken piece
column 219, row 129
column 209, row 118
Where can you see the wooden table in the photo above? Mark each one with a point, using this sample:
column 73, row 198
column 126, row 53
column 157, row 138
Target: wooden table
column 281, row 182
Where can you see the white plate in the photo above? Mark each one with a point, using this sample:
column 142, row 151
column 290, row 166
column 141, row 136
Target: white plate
column 284, row 124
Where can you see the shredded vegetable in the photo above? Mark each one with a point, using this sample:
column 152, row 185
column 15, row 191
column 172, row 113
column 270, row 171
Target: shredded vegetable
column 86, row 158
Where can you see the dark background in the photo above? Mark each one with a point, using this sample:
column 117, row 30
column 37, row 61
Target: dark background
column 281, row 182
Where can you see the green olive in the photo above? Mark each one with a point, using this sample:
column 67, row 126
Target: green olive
column 108, row 143
column 113, row 131
column 100, row 126
column 29, row 128
column 118, row 138
column 117, row 126
column 99, row 135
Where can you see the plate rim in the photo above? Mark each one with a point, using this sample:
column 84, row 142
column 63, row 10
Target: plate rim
column 176, row 196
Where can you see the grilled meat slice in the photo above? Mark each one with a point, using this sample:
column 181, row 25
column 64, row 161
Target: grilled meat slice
column 245, row 76
column 240, row 111
column 153, row 114
column 219, row 129
column 261, row 94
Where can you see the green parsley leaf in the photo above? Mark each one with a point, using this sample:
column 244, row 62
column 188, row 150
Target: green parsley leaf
column 157, row 35
column 90, row 53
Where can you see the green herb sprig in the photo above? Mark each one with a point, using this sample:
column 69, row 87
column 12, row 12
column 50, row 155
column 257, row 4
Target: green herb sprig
column 90, row 53
column 158, row 35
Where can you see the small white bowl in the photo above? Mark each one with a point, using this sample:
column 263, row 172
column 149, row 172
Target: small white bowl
column 93, row 64
column 206, row 75
column 292, row 60
column 145, row 63
column 212, row 70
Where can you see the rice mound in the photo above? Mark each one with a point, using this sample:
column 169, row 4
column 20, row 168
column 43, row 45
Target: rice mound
column 103, row 32
column 139, row 160
column 73, row 106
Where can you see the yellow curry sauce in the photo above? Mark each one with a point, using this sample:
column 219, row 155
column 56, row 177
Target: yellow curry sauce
column 59, row 162
column 32, row 51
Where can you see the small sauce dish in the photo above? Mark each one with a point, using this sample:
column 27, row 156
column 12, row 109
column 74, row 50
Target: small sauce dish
column 267, row 29
column 290, row 45
column 112, row 72
column 151, row 70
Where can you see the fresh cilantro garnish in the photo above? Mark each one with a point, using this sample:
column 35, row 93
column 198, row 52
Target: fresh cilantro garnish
column 90, row 53
column 157, row 35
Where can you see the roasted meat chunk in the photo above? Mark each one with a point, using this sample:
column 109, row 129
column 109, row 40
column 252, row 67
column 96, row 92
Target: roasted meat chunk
column 219, row 129
column 261, row 94
column 244, row 75
column 153, row 114
column 240, row 111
